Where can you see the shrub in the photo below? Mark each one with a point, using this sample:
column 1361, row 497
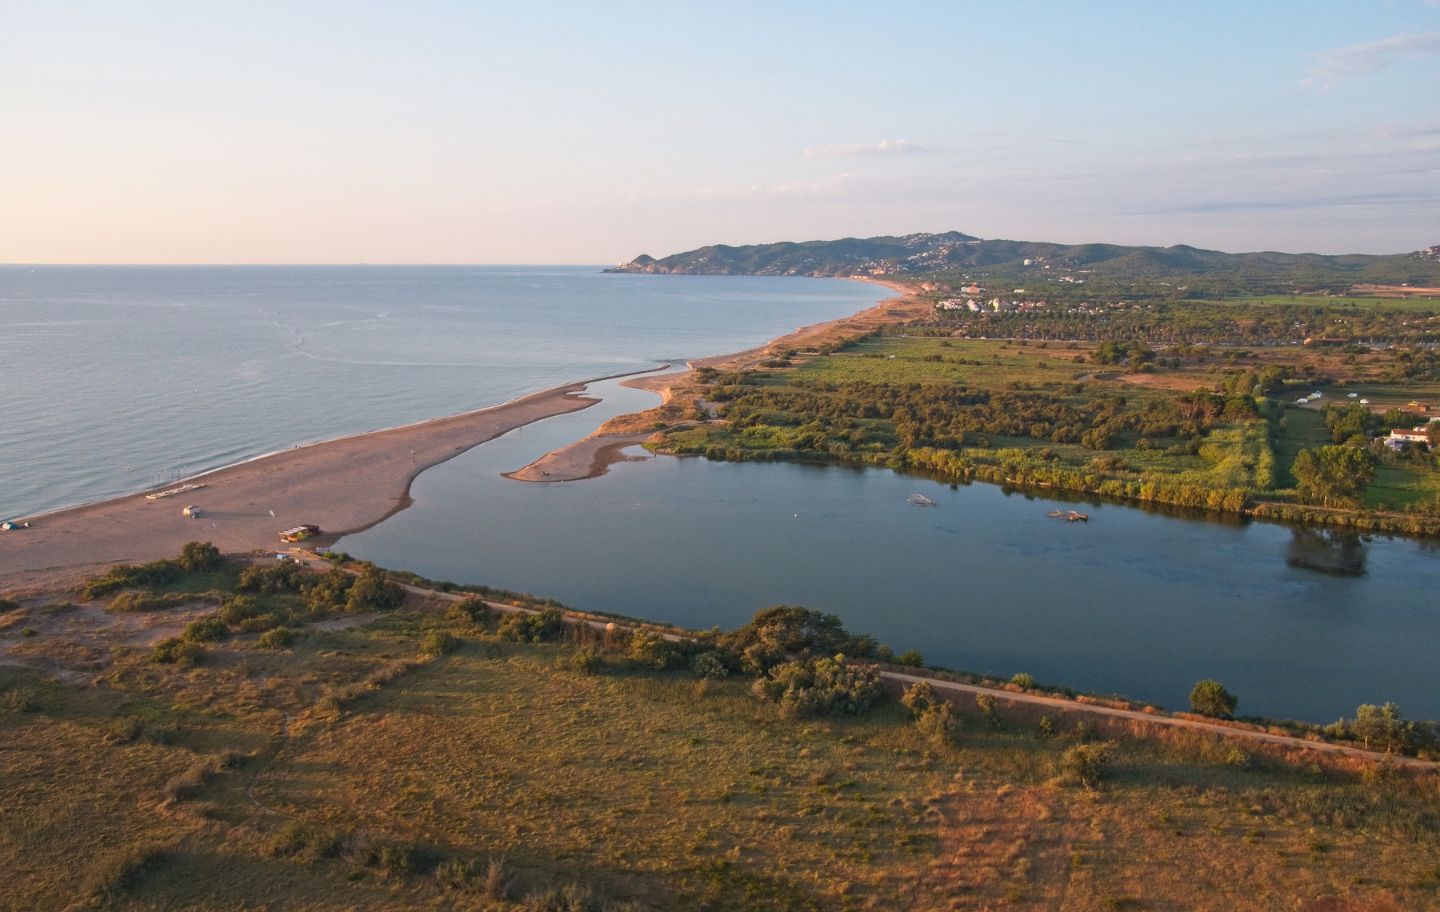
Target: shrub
column 373, row 591
column 919, row 698
column 205, row 630
column 403, row 861
column 651, row 650
column 175, row 651
column 546, row 624
column 185, row 784
column 286, row 576
column 818, row 687
column 328, row 591
column 712, row 665
column 472, row 610
column 938, row 723
column 988, row 709
column 199, row 557
column 788, row 633
column 130, row 576
column 1023, row 680
column 439, row 642
column 303, row 841
column 586, row 660
column 497, row 879
column 1210, row 698
column 911, row 658
column 276, row 638
column 28, row 631
column 1086, row 764
column 146, row 601
column 239, row 609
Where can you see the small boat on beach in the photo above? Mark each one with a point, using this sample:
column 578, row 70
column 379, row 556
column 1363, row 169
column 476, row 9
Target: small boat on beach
column 920, row 500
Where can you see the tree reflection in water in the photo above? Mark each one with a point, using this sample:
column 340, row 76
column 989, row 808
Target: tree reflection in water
column 1337, row 553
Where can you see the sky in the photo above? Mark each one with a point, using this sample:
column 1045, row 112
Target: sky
column 551, row 132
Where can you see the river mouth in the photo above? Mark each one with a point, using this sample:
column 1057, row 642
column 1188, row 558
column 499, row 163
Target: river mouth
column 1300, row 624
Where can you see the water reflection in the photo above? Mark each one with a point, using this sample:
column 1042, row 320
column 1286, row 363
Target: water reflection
column 1336, row 553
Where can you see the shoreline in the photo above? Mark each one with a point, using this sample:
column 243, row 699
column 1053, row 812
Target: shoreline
column 344, row 485
column 594, row 454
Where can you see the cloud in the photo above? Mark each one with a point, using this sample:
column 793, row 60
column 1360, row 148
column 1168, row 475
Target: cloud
column 883, row 147
column 1370, row 58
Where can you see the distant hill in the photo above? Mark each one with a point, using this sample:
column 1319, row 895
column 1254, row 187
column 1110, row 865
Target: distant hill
column 915, row 254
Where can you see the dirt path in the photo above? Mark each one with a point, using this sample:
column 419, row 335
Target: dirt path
column 1006, row 696
column 1071, row 706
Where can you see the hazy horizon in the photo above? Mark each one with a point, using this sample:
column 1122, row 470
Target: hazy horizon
column 490, row 134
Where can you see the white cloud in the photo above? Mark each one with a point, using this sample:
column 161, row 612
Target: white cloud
column 1369, row 58
column 883, row 147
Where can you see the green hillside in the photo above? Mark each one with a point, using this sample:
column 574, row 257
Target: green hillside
column 920, row 254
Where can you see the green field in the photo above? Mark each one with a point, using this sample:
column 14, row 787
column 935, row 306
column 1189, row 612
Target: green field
column 790, row 414
column 1364, row 302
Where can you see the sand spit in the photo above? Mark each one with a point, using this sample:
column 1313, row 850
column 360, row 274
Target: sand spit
column 593, row 456
column 343, row 486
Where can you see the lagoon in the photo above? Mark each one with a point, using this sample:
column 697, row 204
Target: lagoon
column 1133, row 602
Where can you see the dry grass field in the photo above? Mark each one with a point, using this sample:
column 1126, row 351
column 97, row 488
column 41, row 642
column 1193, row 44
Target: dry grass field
column 362, row 768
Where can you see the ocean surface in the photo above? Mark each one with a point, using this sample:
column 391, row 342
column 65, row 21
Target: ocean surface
column 115, row 379
column 1136, row 603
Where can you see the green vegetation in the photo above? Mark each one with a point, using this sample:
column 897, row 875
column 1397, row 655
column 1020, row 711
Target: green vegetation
column 1174, row 270
column 416, row 757
column 1183, row 426
column 1210, row 698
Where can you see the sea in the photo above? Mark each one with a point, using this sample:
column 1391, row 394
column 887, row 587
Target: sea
column 116, row 379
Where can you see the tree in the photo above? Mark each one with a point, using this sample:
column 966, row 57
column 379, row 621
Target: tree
column 1333, row 475
column 1380, row 726
column 197, row 557
column 1210, row 698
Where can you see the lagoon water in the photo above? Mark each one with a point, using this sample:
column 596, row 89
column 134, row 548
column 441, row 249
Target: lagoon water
column 1136, row 603
column 114, row 379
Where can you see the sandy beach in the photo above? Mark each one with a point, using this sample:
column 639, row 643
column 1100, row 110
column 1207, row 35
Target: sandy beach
column 351, row 483
column 343, row 485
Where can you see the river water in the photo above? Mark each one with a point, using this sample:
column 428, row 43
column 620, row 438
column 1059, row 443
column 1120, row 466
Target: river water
column 1132, row 602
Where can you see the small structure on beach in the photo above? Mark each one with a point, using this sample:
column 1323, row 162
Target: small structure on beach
column 191, row 512
column 300, row 533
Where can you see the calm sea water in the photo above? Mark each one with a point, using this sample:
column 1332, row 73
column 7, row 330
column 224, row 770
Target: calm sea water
column 1132, row 602
column 113, row 379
